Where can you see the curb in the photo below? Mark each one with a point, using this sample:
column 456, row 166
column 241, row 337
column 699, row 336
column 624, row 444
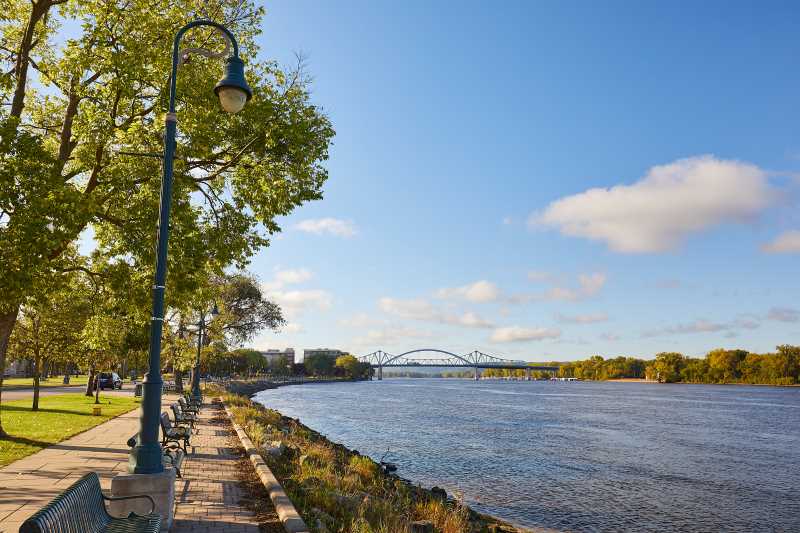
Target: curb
column 290, row 518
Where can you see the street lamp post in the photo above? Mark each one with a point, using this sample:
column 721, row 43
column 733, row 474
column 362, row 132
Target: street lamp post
column 196, row 370
column 233, row 92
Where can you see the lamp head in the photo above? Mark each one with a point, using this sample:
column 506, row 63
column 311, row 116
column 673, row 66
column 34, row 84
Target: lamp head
column 232, row 90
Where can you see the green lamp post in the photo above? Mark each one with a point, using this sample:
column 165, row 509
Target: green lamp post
column 233, row 93
column 201, row 326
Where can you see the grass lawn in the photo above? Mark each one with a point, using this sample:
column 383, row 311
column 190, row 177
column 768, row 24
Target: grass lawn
column 59, row 417
column 53, row 381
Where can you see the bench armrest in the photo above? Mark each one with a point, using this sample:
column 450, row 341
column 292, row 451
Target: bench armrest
column 117, row 498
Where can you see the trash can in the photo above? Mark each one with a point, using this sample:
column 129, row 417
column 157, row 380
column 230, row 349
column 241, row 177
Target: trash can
column 138, row 391
column 66, row 380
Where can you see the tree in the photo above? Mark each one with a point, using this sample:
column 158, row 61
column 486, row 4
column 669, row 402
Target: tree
column 50, row 326
column 320, row 364
column 723, row 365
column 667, row 367
column 352, row 367
column 65, row 161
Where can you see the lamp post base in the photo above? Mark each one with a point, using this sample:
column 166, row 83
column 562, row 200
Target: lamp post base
column 160, row 487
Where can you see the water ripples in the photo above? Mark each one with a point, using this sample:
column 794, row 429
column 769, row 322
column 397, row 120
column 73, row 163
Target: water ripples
column 580, row 457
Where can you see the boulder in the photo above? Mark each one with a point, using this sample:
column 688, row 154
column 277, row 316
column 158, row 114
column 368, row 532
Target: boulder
column 274, row 448
column 439, row 492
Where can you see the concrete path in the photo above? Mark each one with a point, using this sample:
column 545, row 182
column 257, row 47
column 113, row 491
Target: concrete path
column 207, row 497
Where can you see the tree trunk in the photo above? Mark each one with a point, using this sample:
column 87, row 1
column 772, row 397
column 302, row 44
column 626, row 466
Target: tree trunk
column 38, row 10
column 37, row 372
column 90, row 382
column 7, row 321
column 97, row 388
column 178, row 380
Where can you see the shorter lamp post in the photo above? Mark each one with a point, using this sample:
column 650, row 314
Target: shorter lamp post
column 196, row 370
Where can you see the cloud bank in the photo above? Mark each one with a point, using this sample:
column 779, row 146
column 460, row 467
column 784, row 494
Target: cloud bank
column 658, row 212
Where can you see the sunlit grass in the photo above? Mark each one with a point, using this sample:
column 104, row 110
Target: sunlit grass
column 59, row 417
column 52, row 381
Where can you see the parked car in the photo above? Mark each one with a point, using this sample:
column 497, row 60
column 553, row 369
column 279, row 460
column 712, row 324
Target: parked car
column 109, row 380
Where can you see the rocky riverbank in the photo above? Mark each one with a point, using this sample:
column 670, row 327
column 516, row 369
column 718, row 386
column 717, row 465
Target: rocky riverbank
column 338, row 489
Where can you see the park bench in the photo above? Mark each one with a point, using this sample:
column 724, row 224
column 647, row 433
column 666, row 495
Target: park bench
column 187, row 407
column 176, row 434
column 172, row 455
column 81, row 508
column 181, row 417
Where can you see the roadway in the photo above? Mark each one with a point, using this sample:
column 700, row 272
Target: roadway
column 21, row 394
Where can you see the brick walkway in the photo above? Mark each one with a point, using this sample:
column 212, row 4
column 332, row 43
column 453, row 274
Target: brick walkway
column 206, row 497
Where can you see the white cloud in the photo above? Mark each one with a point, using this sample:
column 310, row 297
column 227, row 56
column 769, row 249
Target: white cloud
column 294, row 303
column 282, row 278
column 479, row 292
column 521, row 334
column 507, row 221
column 419, row 309
column 785, row 243
column 588, row 285
column 784, row 314
column 380, row 338
column 583, row 319
column 611, row 337
column 705, row 326
column 360, row 320
column 472, row 320
column 292, row 327
column 659, row 211
column 332, row 226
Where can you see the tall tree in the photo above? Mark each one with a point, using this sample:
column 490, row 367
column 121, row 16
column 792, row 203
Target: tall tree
column 50, row 326
column 65, row 150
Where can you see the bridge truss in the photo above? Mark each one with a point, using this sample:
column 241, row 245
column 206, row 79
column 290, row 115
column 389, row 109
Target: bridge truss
column 475, row 359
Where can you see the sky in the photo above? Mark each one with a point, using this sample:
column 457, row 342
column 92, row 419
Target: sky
column 544, row 180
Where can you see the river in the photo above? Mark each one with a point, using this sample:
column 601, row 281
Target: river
column 580, row 456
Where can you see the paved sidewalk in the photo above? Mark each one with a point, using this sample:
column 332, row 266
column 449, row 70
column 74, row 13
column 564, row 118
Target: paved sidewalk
column 28, row 484
column 208, row 496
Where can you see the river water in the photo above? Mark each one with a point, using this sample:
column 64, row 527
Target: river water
column 578, row 456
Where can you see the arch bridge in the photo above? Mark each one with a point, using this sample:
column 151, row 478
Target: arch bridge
column 443, row 358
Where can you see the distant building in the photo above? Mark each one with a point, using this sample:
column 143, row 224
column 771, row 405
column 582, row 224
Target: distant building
column 273, row 355
column 327, row 352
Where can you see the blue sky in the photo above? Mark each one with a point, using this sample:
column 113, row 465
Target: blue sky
column 545, row 180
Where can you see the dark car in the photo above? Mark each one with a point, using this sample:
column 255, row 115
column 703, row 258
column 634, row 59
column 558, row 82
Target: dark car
column 109, row 380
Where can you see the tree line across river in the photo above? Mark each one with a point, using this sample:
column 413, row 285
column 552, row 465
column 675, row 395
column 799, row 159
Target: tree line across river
column 718, row 366
column 781, row 367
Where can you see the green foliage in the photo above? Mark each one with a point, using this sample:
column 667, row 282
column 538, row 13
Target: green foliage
column 351, row 367
column 320, row 364
column 66, row 145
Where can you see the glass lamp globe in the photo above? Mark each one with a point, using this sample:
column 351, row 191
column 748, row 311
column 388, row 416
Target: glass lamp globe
column 232, row 99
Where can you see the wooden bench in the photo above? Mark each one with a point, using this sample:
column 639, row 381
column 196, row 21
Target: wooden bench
column 81, row 508
column 172, row 455
column 176, row 434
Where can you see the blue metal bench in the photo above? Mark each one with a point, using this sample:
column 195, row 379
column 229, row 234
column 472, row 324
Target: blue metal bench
column 176, row 434
column 81, row 508
column 182, row 417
